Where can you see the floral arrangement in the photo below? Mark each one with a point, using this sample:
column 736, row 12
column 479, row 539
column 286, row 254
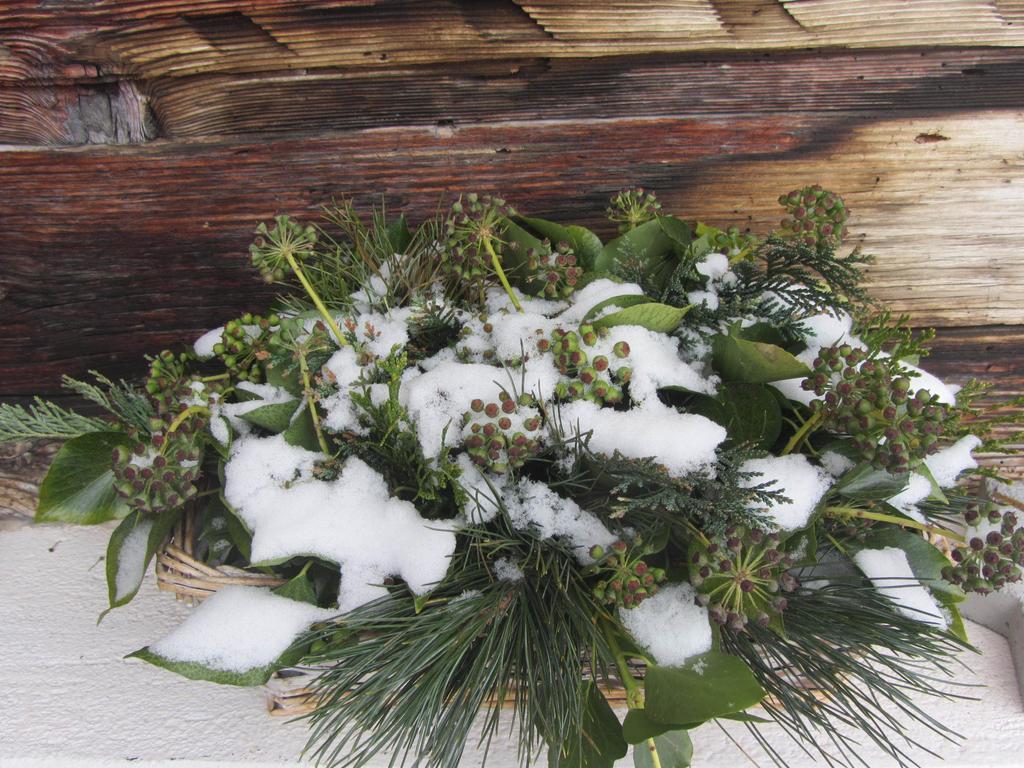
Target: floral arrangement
column 496, row 461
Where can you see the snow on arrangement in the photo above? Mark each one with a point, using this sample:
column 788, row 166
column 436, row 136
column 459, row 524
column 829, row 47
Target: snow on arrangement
column 795, row 478
column 891, row 574
column 352, row 520
column 670, row 625
column 532, row 504
column 238, row 629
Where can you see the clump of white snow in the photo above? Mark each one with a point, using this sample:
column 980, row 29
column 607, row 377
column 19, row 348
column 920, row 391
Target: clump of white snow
column 681, row 442
column 835, row 463
column 891, row 574
column 352, row 521
column 534, row 505
column 594, row 293
column 204, row 345
column 339, row 412
column 670, row 625
column 131, row 559
column 918, row 489
column 239, row 629
column 795, row 478
column 947, row 464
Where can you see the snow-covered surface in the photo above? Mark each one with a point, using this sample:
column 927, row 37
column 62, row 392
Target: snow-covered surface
column 238, row 629
column 682, row 442
column 670, row 625
column 794, row 477
column 533, row 505
column 352, row 521
column 891, row 574
column 72, row 701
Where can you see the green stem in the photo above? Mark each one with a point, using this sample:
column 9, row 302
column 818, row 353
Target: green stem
column 807, row 427
column 496, row 262
column 901, row 521
column 655, row 759
column 634, row 693
column 311, row 403
column 218, row 377
column 180, row 418
column 316, row 299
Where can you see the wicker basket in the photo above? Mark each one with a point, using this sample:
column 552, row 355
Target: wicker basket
column 288, row 693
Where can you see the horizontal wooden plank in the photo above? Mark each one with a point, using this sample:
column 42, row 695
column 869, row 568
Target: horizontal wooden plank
column 113, row 252
column 124, row 111
column 56, row 41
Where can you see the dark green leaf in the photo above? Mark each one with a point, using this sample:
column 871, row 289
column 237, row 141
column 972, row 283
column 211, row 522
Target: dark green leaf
column 709, row 685
column 956, row 620
column 585, row 244
column 638, row 727
column 677, row 230
column 290, row 383
column 660, row 318
column 936, row 494
column 645, row 245
column 518, row 244
column 766, row 333
column 275, row 417
column 301, row 432
column 750, row 414
column 194, row 671
column 399, row 235
column 753, row 362
column 79, row 487
column 155, row 528
column 601, row 743
column 299, row 588
column 866, row 483
column 675, row 750
column 628, row 300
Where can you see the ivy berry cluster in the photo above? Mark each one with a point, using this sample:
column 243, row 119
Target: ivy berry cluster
column 497, row 440
column 552, row 274
column 158, row 474
column 598, row 378
column 741, row 575
column 870, row 399
column 473, row 224
column 245, row 344
column 814, row 215
column 990, row 560
column 626, row 578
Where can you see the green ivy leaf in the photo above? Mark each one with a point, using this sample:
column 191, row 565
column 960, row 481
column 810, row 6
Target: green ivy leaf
column 301, row 432
column 753, row 362
column 750, row 413
column 290, row 382
column 299, row 587
column 514, row 259
column 678, row 231
column 646, row 244
column 601, row 743
column 660, row 318
column 867, row 483
column 766, row 333
column 399, row 235
column 637, row 727
column 709, row 685
column 79, row 486
column 675, row 750
column 195, row 671
column 628, row 300
column 275, row 417
column 156, row 528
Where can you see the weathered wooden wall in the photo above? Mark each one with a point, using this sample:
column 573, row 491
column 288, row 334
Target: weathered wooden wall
column 140, row 141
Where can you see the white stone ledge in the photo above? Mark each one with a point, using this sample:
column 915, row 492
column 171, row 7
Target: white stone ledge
column 70, row 700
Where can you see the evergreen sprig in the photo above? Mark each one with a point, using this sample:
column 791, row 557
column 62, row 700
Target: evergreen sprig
column 122, row 400
column 411, row 677
column 848, row 658
column 43, row 419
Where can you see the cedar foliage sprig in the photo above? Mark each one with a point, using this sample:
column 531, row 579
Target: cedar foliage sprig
column 43, row 419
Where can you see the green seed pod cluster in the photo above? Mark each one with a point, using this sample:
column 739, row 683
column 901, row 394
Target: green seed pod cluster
column 500, row 439
column 871, row 400
column 474, row 218
column 741, row 576
column 815, row 216
column 732, row 241
column 990, row 560
column 244, row 345
column 632, row 207
column 169, row 381
column 626, row 580
column 552, row 274
column 273, row 247
column 596, row 377
column 158, row 473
